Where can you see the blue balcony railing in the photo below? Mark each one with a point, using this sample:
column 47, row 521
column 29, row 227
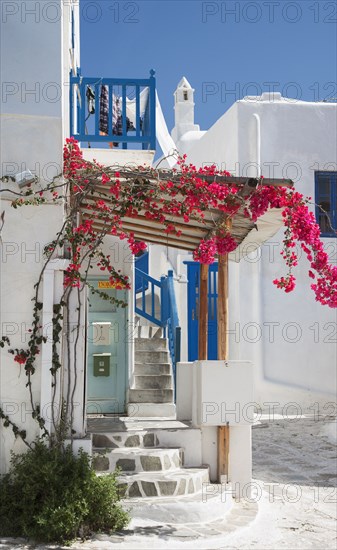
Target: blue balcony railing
column 130, row 111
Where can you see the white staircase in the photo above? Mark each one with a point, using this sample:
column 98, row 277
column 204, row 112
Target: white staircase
column 152, row 394
column 153, row 478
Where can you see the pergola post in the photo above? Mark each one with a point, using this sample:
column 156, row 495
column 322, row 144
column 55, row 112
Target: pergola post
column 223, row 307
column 223, row 431
column 203, row 312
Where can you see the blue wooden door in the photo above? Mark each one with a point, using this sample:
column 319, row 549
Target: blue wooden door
column 107, row 353
column 193, row 271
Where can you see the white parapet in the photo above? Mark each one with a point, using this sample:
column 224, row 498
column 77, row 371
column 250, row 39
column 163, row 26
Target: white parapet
column 222, row 393
column 119, row 158
column 214, row 393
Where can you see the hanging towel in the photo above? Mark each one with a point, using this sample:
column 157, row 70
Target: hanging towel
column 104, row 110
column 131, row 106
column 117, row 126
column 164, row 138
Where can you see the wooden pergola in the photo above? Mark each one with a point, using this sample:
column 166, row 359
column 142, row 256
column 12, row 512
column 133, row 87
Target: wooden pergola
column 239, row 226
column 194, row 231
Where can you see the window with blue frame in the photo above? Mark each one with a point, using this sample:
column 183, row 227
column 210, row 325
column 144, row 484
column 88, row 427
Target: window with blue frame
column 72, row 28
column 326, row 201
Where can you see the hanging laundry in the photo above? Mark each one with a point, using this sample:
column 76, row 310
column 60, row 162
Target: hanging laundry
column 117, row 124
column 104, row 110
column 90, row 100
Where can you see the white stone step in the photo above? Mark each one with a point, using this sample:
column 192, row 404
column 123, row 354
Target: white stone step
column 154, row 382
column 150, row 396
column 151, row 344
column 183, row 481
column 144, row 356
column 210, row 504
column 152, row 368
column 148, row 331
column 152, row 410
column 129, row 439
column 136, row 460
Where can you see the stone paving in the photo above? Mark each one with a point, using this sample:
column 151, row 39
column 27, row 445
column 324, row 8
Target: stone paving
column 293, row 506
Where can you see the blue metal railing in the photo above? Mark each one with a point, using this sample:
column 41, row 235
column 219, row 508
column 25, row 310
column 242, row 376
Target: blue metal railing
column 147, row 308
column 173, row 327
column 85, row 123
column 167, row 316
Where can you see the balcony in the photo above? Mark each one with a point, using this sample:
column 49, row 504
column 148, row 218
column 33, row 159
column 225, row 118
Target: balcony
column 114, row 115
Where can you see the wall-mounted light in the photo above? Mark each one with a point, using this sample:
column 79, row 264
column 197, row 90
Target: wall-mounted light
column 25, row 178
column 22, row 179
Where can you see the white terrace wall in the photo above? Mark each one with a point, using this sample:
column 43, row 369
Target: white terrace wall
column 290, row 338
column 35, row 64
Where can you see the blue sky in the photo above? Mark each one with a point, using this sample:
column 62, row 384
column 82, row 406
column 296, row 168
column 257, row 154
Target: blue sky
column 225, row 49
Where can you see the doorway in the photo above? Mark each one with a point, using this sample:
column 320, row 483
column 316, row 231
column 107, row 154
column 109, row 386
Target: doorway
column 193, row 271
column 107, row 351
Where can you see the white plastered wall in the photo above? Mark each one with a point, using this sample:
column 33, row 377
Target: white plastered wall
column 21, row 263
column 35, row 60
column 290, row 338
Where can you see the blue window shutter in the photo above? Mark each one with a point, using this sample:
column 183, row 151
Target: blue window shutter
column 326, row 197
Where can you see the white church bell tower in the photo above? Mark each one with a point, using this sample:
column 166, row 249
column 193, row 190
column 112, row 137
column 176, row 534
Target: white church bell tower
column 183, row 110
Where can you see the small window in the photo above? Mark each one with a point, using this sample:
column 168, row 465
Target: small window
column 326, row 200
column 185, row 96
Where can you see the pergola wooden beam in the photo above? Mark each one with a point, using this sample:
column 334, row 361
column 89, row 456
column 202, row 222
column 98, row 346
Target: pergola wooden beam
column 152, row 231
column 195, row 223
column 155, row 176
column 174, row 242
column 223, row 352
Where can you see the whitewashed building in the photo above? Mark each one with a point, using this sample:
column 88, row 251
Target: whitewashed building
column 39, row 45
column 40, row 63
column 290, row 340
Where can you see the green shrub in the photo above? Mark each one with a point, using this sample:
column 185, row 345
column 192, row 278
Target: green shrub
column 51, row 495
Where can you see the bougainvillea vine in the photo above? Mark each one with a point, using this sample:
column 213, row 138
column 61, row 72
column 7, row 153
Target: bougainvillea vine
column 188, row 197
column 98, row 198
